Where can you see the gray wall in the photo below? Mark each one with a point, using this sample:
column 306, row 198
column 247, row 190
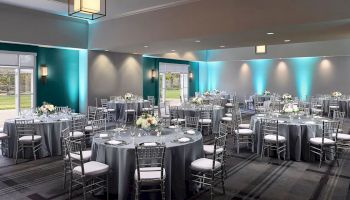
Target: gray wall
column 113, row 74
column 32, row 27
column 298, row 76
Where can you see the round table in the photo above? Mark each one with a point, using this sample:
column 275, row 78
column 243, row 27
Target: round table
column 297, row 132
column 119, row 107
column 192, row 110
column 121, row 159
column 49, row 128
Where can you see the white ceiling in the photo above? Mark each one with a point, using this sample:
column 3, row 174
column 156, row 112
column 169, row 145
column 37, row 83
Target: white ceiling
column 166, row 25
column 115, row 8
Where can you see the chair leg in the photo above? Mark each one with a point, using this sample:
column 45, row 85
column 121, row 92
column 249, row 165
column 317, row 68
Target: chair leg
column 223, row 180
column 34, row 154
column 16, row 154
column 65, row 174
column 84, row 188
column 163, row 190
column 107, row 186
column 70, row 186
column 262, row 149
column 321, row 157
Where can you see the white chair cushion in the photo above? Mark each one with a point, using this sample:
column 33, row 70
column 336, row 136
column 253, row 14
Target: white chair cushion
column 244, row 131
column 1, row 129
column 149, row 173
column 226, row 119
column 3, row 136
column 244, row 126
column 342, row 136
column 228, row 114
column 92, row 168
column 85, row 154
column 334, row 107
column 205, row 121
column 130, row 110
column 272, row 138
column 204, row 164
column 89, row 122
column 89, row 128
column 317, row 110
column 178, row 120
column 209, row 149
column 76, row 134
column 318, row 141
column 110, row 110
column 146, row 109
column 228, row 105
column 28, row 139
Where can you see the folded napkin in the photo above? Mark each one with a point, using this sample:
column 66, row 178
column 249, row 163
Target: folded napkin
column 191, row 132
column 149, row 144
column 102, row 135
column 281, row 121
column 172, row 127
column 114, row 142
column 184, row 139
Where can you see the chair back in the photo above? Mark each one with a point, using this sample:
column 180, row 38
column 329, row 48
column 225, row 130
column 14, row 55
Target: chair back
column 151, row 99
column 269, row 127
column 333, row 102
column 25, row 127
column 191, row 122
column 219, row 149
column 78, row 123
column 113, row 98
column 150, row 156
column 91, row 113
column 206, row 113
column 61, row 108
column 64, row 137
column 104, row 103
column 328, row 129
column 98, row 126
column 75, row 147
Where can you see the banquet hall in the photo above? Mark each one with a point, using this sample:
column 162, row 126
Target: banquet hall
column 174, row 99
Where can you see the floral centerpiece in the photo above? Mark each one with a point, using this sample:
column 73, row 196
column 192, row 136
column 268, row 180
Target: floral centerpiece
column 46, row 108
column 337, row 94
column 216, row 91
column 207, row 93
column 290, row 108
column 287, row 97
column 197, row 100
column 267, row 93
column 128, row 96
column 147, row 121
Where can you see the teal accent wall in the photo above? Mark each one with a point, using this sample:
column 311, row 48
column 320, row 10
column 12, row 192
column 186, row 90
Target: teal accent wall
column 62, row 85
column 261, row 69
column 151, row 86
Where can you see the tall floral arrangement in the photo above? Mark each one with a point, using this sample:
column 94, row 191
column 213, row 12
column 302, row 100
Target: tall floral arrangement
column 128, row 96
column 287, row 97
column 267, row 93
column 290, row 108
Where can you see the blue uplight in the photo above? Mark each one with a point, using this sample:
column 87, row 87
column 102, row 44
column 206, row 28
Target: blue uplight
column 260, row 70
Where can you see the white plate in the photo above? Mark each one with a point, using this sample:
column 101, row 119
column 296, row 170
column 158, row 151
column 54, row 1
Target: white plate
column 260, row 115
column 184, row 139
column 103, row 135
column 310, row 122
column 114, row 142
column 172, row 127
column 191, row 132
column 149, row 144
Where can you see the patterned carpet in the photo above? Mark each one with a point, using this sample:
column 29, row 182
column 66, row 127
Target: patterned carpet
column 248, row 177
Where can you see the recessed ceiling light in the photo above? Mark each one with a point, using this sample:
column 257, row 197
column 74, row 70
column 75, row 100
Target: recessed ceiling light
column 222, row 46
column 106, row 50
column 286, row 40
column 198, row 41
column 145, row 46
column 173, row 50
column 270, row 33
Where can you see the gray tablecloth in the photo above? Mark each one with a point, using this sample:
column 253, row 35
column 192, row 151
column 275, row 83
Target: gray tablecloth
column 343, row 106
column 121, row 159
column 296, row 132
column 218, row 113
column 119, row 107
column 50, row 131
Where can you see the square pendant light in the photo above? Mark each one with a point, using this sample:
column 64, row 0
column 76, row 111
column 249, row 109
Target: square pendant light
column 87, row 9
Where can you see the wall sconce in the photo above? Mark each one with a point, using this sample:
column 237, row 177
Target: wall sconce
column 190, row 75
column 154, row 74
column 43, row 73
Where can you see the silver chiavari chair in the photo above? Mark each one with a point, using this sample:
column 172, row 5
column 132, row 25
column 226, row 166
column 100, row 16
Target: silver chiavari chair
column 191, row 122
column 176, row 115
column 147, row 107
column 271, row 138
column 207, row 171
column 91, row 114
column 259, row 104
column 107, row 111
column 113, row 98
column 206, row 119
column 209, row 148
column 78, row 127
column 130, row 108
column 99, row 126
column 150, row 170
column 26, row 137
column 315, row 106
column 326, row 143
column 92, row 176
column 241, row 135
column 4, row 141
column 333, row 106
column 339, row 116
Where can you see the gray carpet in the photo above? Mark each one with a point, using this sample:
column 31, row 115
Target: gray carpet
column 248, row 177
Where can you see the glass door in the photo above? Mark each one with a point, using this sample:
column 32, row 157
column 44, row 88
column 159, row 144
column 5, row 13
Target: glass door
column 26, row 89
column 8, row 97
